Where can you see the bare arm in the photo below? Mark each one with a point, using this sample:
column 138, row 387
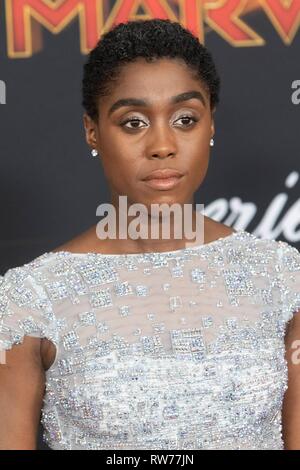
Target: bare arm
column 291, row 404
column 22, row 384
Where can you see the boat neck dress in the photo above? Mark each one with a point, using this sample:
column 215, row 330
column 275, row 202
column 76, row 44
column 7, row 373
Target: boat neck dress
column 164, row 350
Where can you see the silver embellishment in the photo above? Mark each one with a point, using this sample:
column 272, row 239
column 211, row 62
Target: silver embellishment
column 123, row 288
column 175, row 302
column 101, row 298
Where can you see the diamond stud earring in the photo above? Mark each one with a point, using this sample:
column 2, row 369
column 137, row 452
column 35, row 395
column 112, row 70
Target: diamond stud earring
column 212, row 142
column 94, row 153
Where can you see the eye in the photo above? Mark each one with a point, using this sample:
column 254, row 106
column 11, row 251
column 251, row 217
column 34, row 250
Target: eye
column 189, row 118
column 134, row 120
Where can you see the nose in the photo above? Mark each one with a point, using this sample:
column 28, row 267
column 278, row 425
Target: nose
column 162, row 142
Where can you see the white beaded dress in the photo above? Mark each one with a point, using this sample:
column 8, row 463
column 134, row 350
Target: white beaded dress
column 173, row 350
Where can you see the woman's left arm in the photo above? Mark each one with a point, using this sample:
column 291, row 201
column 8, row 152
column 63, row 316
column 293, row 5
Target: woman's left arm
column 291, row 402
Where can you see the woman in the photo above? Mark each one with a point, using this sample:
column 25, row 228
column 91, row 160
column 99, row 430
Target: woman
column 147, row 343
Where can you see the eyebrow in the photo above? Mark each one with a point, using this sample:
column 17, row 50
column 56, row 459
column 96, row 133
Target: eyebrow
column 188, row 95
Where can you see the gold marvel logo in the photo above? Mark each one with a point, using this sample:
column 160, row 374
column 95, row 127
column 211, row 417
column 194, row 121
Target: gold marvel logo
column 228, row 18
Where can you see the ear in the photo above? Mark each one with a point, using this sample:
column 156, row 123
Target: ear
column 90, row 130
column 212, row 126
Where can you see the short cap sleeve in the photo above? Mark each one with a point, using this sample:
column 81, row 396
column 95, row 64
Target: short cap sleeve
column 25, row 308
column 289, row 273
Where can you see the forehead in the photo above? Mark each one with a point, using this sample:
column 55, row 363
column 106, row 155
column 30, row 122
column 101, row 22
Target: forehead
column 155, row 81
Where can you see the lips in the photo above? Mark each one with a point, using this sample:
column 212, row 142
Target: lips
column 163, row 180
column 163, row 174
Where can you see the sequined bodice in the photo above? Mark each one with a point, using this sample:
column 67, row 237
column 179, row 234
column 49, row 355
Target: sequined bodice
column 176, row 350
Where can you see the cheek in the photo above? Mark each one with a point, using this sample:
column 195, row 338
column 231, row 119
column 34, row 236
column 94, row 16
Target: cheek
column 200, row 165
column 196, row 144
column 197, row 166
column 197, row 157
column 120, row 171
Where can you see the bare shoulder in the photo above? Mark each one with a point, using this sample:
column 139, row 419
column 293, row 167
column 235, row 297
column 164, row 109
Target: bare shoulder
column 82, row 243
column 215, row 230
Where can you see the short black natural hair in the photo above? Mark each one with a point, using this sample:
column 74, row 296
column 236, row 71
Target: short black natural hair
column 148, row 39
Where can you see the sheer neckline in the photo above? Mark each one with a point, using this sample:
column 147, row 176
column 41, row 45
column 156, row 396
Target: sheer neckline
column 149, row 253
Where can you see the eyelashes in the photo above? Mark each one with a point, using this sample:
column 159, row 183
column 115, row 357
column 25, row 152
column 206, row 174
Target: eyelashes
column 191, row 118
column 136, row 119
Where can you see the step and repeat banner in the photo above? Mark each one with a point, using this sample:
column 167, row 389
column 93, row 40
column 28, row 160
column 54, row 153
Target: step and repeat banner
column 50, row 186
